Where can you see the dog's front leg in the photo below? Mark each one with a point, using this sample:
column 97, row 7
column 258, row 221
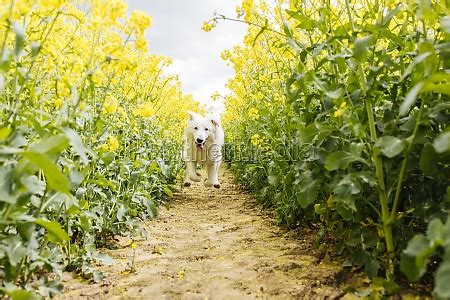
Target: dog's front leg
column 191, row 173
column 213, row 179
column 216, row 173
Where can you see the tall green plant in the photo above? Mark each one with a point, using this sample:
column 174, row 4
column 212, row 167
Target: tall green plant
column 74, row 170
column 366, row 110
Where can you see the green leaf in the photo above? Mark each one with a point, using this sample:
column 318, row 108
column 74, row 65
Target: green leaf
column 336, row 94
column 428, row 160
column 441, row 143
column 410, row 99
column 273, row 179
column 388, row 17
column 33, row 185
column 446, row 233
column 360, row 257
column 13, row 247
column 55, row 178
column 371, row 268
column 442, row 88
column 393, row 37
column 293, row 43
column 152, row 209
column 20, row 38
column 390, row 146
column 78, row 145
column 4, row 133
column 6, row 194
column 445, row 24
column 360, row 48
column 287, row 30
column 413, row 262
column 168, row 191
column 121, row 212
column 304, row 21
column 425, row 10
column 348, row 185
column 442, row 287
column 163, row 167
column 9, row 150
column 417, row 60
column 35, row 48
column 307, row 192
column 2, row 84
column 54, row 229
column 26, row 230
column 305, row 135
column 54, row 144
column 340, row 160
column 345, row 206
column 21, row 294
column 435, row 231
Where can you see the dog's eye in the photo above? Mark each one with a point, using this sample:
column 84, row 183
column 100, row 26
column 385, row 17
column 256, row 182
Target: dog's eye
column 206, row 129
column 195, row 128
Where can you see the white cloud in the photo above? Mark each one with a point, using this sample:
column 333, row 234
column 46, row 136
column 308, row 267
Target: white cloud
column 176, row 32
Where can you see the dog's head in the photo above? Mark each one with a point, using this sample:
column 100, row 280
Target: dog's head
column 202, row 129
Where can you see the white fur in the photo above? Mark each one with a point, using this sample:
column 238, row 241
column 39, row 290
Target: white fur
column 208, row 130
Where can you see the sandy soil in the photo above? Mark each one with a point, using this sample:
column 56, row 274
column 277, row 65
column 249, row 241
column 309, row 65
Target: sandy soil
column 215, row 244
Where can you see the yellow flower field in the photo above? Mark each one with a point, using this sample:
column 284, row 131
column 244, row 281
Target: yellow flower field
column 337, row 119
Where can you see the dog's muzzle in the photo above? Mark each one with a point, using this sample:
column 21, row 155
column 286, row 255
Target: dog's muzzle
column 200, row 144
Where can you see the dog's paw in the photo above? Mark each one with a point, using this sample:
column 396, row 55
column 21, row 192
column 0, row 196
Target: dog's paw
column 187, row 184
column 195, row 178
column 207, row 183
column 217, row 185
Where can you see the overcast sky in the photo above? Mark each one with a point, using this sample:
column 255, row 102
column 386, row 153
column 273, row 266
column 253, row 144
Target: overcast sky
column 176, row 32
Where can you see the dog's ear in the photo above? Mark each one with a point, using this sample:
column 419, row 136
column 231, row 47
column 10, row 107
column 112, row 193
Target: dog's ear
column 215, row 122
column 192, row 114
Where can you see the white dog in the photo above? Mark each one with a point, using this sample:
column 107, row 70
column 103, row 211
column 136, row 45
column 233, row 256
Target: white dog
column 203, row 141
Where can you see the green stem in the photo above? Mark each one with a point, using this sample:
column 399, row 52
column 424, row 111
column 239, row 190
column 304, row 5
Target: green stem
column 347, row 6
column 5, row 38
column 16, row 106
column 387, row 226
column 222, row 17
column 404, row 166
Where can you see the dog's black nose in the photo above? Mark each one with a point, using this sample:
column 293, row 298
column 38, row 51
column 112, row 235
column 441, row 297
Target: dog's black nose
column 199, row 141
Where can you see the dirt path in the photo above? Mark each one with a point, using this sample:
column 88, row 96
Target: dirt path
column 214, row 244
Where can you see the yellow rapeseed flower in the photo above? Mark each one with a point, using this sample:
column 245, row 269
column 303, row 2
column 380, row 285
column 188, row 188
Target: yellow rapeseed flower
column 208, row 26
column 52, row 4
column 340, row 111
column 58, row 102
column 99, row 77
column 121, row 111
column 111, row 104
column 140, row 21
column 62, row 88
column 226, row 55
column 247, row 7
column 144, row 110
column 256, row 139
column 23, row 7
column 111, row 145
column 141, row 44
column 118, row 8
column 253, row 113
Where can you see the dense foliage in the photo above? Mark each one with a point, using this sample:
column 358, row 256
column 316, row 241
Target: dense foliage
column 84, row 113
column 339, row 113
